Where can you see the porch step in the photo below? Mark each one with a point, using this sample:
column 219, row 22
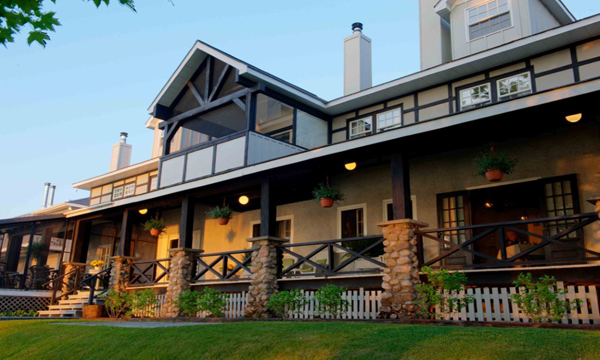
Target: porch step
column 80, row 301
column 65, row 307
column 60, row 313
column 70, row 307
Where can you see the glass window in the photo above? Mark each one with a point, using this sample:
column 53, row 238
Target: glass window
column 129, row 189
column 285, row 136
column 488, row 18
column 272, row 116
column 559, row 202
column 474, row 96
column 514, row 86
column 353, row 223
column 360, row 127
column 153, row 183
column 284, row 229
column 118, row 192
column 388, row 119
column 453, row 215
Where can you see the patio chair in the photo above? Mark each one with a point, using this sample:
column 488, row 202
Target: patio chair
column 286, row 263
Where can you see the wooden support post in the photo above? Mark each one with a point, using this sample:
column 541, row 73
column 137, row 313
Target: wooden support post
column 401, row 187
column 82, row 240
column 268, row 210
column 186, row 225
column 46, row 238
column 27, row 257
column 125, row 241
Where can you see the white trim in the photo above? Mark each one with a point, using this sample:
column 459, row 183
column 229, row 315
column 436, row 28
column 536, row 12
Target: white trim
column 362, row 206
column 279, row 218
column 468, row 24
column 114, row 196
column 502, row 183
column 129, row 186
column 394, row 125
column 510, row 95
column 384, row 204
column 360, row 134
column 473, row 102
column 425, row 126
column 123, row 173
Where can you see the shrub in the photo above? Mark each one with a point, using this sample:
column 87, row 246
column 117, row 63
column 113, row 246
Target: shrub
column 284, row 302
column 213, row 302
column 143, row 303
column 324, row 191
column 441, row 290
column 539, row 300
column 494, row 160
column 116, row 302
column 330, row 301
column 220, row 212
column 19, row 313
column 188, row 302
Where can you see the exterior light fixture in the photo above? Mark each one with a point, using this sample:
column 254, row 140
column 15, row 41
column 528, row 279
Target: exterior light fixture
column 350, row 166
column 243, row 200
column 524, row 217
column 574, row 118
column 143, row 211
column 488, row 205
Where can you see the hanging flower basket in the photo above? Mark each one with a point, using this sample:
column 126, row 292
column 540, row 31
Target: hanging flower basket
column 221, row 214
column 154, row 232
column 327, row 195
column 494, row 165
column 154, row 225
column 326, row 202
column 494, row 175
column 223, row 221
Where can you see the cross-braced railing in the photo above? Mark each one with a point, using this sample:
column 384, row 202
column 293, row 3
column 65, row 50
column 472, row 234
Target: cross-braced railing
column 223, row 266
column 150, row 272
column 562, row 232
column 348, row 256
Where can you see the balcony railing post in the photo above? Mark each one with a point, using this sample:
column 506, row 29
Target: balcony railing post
column 181, row 273
column 120, row 273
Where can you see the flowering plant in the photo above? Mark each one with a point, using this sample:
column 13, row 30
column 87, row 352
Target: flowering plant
column 97, row 263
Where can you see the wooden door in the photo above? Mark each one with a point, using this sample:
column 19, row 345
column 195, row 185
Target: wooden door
column 454, row 211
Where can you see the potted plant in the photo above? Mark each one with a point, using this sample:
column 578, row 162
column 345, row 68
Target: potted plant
column 97, row 264
column 493, row 165
column 36, row 250
column 222, row 214
column 327, row 195
column 155, row 226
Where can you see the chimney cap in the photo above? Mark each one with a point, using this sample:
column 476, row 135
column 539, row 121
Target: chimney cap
column 124, row 134
column 357, row 26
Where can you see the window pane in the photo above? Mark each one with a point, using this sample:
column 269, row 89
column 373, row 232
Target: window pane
column 272, row 116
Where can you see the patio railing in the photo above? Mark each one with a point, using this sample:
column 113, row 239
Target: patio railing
column 223, row 266
column 360, row 255
column 508, row 239
column 149, row 272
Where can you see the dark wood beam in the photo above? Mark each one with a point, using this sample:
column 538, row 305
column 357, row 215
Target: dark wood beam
column 83, row 230
column 196, row 93
column 219, row 84
column 401, row 186
column 125, row 241
column 208, row 106
column 186, row 225
column 268, row 210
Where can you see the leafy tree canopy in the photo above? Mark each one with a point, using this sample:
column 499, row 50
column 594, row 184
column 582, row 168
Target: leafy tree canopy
column 15, row 14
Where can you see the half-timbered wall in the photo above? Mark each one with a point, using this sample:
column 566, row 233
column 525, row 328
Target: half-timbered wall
column 132, row 186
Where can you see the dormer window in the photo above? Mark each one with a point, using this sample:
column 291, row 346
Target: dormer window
column 389, row 119
column 475, row 96
column 488, row 18
column 360, row 127
column 514, row 86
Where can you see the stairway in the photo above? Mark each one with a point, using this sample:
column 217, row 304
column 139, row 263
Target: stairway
column 70, row 307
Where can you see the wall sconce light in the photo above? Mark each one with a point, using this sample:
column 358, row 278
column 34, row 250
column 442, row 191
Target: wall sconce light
column 143, row 211
column 350, row 166
column 524, row 217
column 488, row 205
column 244, row 200
column 574, row 118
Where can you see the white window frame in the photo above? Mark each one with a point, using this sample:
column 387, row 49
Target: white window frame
column 114, row 194
column 363, row 133
column 394, row 125
column 468, row 24
column 510, row 95
column 340, row 209
column 279, row 218
column 386, row 202
column 289, row 132
column 154, row 183
column 474, row 104
column 129, row 190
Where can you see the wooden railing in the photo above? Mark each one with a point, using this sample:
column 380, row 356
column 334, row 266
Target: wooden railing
column 150, row 272
column 562, row 232
column 97, row 282
column 223, row 266
column 64, row 284
column 332, row 257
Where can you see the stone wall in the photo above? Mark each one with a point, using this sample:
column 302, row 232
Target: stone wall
column 120, row 272
column 68, row 284
column 181, row 272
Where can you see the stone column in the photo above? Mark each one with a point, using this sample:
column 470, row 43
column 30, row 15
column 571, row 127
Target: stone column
column 402, row 269
column 68, row 283
column 120, row 272
column 181, row 272
column 264, row 275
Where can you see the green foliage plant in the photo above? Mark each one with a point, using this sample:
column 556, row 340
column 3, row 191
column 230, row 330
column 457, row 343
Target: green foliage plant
column 212, row 302
column 220, row 212
column 19, row 313
column 36, row 249
column 188, row 303
column 284, row 302
column 441, row 291
column 325, row 191
column 330, row 302
column 540, row 301
column 491, row 159
column 143, row 303
column 154, row 223
column 116, row 303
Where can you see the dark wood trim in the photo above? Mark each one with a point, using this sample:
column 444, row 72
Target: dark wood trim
column 125, row 240
column 575, row 62
column 401, row 201
column 186, row 226
column 268, row 210
column 203, row 145
column 196, row 93
column 219, row 85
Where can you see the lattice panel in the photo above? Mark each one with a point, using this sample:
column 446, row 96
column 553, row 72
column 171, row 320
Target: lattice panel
column 14, row 303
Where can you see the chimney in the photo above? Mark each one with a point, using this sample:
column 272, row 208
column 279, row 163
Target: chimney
column 121, row 154
column 52, row 189
column 46, row 189
column 357, row 61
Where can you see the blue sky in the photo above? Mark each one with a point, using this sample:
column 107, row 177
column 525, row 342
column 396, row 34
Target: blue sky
column 62, row 107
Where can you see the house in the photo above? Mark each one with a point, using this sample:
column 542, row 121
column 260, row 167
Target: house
column 513, row 76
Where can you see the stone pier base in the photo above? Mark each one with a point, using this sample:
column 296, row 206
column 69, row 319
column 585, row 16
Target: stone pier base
column 181, row 272
column 69, row 280
column 120, row 272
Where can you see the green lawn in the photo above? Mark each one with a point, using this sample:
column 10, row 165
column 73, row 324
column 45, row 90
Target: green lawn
column 287, row 340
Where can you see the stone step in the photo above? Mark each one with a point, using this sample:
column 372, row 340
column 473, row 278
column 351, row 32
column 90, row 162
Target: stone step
column 60, row 313
column 65, row 307
column 80, row 301
column 79, row 295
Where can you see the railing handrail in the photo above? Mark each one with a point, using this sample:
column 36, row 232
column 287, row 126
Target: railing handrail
column 335, row 241
column 508, row 223
column 90, row 282
column 61, row 277
column 151, row 261
column 226, row 253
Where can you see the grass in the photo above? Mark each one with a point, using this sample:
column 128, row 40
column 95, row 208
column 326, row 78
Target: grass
column 286, row 340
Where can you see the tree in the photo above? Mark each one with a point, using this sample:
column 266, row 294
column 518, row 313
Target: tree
column 14, row 14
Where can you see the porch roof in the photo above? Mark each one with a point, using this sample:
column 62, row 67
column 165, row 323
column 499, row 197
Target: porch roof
column 25, row 219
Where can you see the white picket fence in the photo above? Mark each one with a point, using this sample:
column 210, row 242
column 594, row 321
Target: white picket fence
column 494, row 304
column 364, row 305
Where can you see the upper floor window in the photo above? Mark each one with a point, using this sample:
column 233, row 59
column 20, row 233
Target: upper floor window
column 488, row 18
column 360, row 127
column 473, row 96
column 118, row 192
column 153, row 183
column 514, row 86
column 285, row 136
column 130, row 189
column 388, row 119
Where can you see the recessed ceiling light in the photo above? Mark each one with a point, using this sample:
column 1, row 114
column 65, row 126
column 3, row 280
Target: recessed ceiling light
column 574, row 118
column 244, row 200
column 143, row 211
column 350, row 166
